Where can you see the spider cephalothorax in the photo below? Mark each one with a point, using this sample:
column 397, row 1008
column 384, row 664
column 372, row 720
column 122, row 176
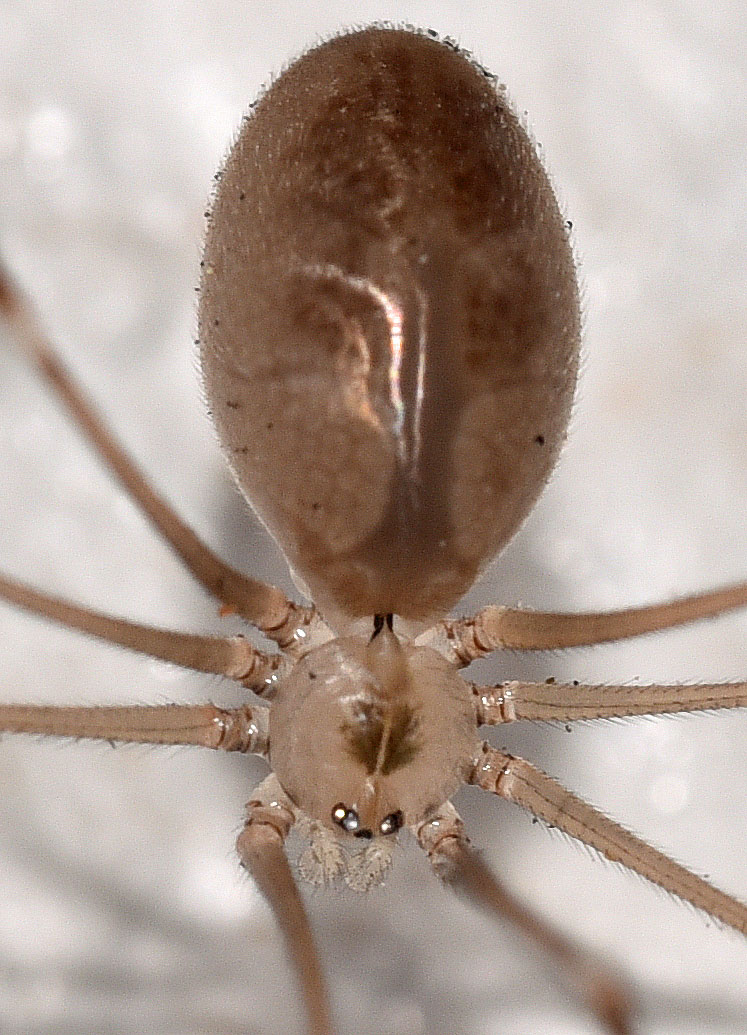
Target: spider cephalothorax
column 366, row 729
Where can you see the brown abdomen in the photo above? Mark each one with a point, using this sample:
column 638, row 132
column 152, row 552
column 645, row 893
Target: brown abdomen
column 389, row 321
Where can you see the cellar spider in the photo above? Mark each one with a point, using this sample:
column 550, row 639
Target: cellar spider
column 284, row 622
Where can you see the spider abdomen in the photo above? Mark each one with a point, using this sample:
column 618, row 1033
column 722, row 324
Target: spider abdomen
column 389, row 321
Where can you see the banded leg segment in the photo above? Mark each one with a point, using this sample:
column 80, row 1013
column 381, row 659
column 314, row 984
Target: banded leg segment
column 269, row 818
column 519, row 781
column 443, row 838
column 265, row 606
column 564, row 702
column 494, row 627
column 230, row 656
column 204, row 725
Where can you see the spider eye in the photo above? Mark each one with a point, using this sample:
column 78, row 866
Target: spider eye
column 391, row 823
column 346, row 818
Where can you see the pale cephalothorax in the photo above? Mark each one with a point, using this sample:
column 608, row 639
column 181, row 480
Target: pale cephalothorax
column 371, row 734
column 389, row 337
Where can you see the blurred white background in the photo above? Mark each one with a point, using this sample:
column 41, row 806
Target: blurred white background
column 121, row 906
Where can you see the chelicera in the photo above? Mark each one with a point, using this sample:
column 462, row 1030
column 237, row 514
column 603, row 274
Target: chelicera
column 389, row 336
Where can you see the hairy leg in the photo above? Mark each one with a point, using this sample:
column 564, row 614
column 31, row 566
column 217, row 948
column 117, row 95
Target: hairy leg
column 265, row 606
column 519, row 781
column 242, row 729
column 443, row 838
column 269, row 817
column 493, row 628
column 564, row 702
column 230, row 656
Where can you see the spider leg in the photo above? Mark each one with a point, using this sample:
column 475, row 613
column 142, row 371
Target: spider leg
column 443, row 838
column 269, row 817
column 231, row 656
column 564, row 702
column 519, row 781
column 493, row 627
column 263, row 605
column 242, row 729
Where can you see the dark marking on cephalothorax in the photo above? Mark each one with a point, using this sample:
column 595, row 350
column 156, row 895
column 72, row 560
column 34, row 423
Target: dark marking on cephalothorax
column 366, row 734
column 379, row 621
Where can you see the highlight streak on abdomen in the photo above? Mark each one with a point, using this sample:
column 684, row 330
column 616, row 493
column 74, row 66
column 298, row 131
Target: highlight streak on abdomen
column 393, row 313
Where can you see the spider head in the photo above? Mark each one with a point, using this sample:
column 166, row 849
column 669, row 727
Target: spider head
column 369, row 735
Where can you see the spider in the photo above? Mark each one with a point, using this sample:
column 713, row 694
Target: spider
column 378, row 716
